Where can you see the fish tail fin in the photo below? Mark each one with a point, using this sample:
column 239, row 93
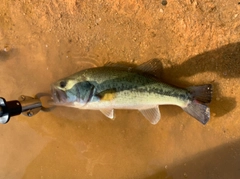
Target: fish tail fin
column 198, row 106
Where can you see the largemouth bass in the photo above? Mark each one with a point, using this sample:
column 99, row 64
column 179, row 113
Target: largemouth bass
column 109, row 87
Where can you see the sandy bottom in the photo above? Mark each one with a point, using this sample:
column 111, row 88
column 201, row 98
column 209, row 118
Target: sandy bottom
column 197, row 43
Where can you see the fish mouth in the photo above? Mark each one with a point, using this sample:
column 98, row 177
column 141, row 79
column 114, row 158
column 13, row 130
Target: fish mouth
column 58, row 95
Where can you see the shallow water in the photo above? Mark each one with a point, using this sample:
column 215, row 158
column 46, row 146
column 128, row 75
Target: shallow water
column 196, row 41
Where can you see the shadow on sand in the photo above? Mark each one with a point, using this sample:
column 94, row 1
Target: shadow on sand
column 221, row 162
column 5, row 55
column 224, row 61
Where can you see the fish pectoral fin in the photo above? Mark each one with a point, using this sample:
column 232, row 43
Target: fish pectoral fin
column 152, row 114
column 107, row 95
column 108, row 112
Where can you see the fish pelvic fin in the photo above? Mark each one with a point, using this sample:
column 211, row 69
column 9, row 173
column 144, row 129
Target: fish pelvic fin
column 198, row 107
column 108, row 112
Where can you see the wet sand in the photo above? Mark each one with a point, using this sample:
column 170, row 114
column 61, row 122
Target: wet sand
column 197, row 42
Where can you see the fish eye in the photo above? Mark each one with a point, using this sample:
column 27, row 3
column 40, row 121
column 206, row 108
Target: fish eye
column 63, row 84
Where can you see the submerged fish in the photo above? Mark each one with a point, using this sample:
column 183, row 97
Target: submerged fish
column 110, row 87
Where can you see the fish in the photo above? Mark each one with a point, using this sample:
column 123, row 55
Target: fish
column 114, row 86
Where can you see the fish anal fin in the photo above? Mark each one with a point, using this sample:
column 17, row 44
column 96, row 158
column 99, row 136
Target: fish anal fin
column 108, row 112
column 151, row 114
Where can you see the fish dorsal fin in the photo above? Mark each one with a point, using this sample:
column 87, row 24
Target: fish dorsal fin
column 108, row 112
column 153, row 67
column 121, row 65
column 151, row 114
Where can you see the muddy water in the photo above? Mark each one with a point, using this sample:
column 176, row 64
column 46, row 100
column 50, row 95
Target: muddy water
column 196, row 41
